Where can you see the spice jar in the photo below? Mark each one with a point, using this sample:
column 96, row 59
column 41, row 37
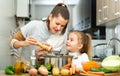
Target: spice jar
column 44, row 46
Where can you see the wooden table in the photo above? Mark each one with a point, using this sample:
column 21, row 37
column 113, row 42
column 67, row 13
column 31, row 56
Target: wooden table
column 113, row 74
column 2, row 73
column 106, row 74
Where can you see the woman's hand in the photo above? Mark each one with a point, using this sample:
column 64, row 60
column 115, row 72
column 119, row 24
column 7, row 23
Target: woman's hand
column 30, row 41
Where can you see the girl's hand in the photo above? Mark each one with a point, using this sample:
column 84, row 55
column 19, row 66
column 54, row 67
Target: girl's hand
column 40, row 51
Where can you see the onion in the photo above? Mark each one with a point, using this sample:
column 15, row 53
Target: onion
column 33, row 72
column 42, row 70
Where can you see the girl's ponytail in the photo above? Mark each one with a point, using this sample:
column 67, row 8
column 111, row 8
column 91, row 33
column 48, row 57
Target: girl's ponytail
column 89, row 46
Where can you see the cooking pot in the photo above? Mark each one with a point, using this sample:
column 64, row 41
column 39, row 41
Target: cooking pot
column 58, row 60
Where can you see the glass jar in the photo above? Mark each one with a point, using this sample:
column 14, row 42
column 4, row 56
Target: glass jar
column 18, row 66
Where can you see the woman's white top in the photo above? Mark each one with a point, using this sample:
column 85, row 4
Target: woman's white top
column 39, row 30
column 78, row 59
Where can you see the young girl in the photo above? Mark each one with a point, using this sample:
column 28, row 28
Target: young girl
column 79, row 46
column 50, row 31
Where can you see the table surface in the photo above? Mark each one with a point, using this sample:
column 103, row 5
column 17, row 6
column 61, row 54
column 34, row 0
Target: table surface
column 2, row 73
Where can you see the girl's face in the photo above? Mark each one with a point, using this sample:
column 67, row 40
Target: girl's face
column 72, row 43
column 57, row 24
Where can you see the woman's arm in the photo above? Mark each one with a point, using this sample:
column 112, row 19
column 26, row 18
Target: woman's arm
column 19, row 41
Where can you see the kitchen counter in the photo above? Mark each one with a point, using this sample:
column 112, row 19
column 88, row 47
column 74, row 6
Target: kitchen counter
column 2, row 73
column 113, row 74
column 107, row 74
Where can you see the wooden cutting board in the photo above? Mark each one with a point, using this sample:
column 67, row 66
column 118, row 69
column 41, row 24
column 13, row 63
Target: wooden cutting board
column 113, row 74
column 106, row 74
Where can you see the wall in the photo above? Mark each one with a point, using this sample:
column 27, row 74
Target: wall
column 7, row 23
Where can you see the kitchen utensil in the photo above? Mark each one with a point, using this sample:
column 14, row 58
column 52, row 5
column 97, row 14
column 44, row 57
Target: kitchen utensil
column 46, row 47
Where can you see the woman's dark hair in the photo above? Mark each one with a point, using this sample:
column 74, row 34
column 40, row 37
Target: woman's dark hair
column 61, row 9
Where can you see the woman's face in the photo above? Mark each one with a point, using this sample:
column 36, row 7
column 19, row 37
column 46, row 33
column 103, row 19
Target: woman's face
column 72, row 44
column 57, row 24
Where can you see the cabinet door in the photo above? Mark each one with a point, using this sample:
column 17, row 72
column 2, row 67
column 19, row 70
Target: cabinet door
column 112, row 9
column 115, row 8
column 102, row 11
column 99, row 12
column 106, row 10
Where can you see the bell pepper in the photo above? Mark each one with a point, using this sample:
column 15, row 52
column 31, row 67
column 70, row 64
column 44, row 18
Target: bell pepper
column 9, row 70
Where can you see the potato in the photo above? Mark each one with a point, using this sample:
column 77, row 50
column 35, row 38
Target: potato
column 55, row 71
column 64, row 72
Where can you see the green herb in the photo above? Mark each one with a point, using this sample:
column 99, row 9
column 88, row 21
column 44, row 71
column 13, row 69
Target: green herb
column 48, row 66
column 37, row 66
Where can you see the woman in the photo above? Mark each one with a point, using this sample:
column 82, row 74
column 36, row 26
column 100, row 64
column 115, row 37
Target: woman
column 50, row 31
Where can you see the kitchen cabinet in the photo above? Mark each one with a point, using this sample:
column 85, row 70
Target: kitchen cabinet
column 115, row 9
column 97, row 32
column 102, row 11
column 99, row 12
column 22, row 8
column 107, row 10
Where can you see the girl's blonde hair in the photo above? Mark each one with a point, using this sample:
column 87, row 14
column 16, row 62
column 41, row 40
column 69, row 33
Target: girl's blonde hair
column 85, row 39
